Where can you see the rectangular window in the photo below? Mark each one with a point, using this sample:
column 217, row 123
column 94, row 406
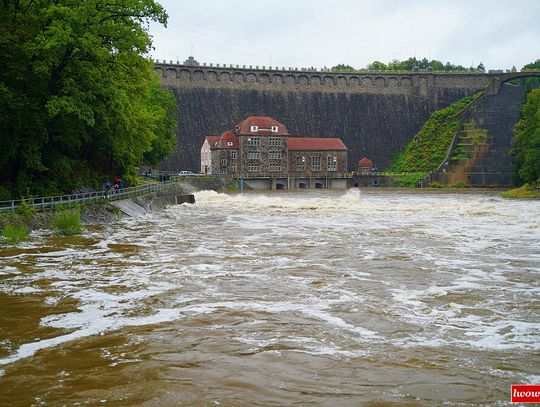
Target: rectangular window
column 332, row 163
column 223, row 161
column 254, row 141
column 223, row 170
column 254, row 167
column 233, row 155
column 274, row 155
column 254, row 155
column 274, row 142
column 300, row 163
column 275, row 168
column 274, row 129
column 316, row 163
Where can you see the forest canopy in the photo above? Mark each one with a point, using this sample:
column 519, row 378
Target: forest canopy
column 78, row 99
column 409, row 64
column 526, row 142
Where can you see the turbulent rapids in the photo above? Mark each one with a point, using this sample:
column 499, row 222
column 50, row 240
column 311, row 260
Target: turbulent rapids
column 318, row 297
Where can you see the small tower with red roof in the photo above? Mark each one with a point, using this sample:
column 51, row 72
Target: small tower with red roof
column 365, row 166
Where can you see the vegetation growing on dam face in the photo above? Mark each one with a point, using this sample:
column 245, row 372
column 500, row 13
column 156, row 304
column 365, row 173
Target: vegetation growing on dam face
column 429, row 147
column 526, row 142
column 78, row 99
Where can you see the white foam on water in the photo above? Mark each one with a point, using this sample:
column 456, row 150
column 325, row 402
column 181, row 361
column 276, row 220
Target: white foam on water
column 497, row 331
column 26, row 290
column 99, row 324
column 364, row 333
column 9, row 270
column 430, row 265
column 533, row 379
column 299, row 344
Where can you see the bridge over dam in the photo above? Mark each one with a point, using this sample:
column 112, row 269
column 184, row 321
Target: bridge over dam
column 374, row 113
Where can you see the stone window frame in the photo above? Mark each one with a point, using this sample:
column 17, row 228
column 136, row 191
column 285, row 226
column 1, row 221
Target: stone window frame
column 252, row 167
column 274, row 155
column 301, row 163
column 234, row 155
column 275, row 142
column 254, row 155
column 331, row 162
column 275, row 168
column 315, row 163
column 254, row 141
column 223, row 161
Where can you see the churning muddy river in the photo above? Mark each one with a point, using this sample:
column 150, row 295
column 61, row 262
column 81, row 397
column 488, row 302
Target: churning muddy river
column 331, row 298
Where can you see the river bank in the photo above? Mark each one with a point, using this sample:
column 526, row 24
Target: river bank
column 91, row 214
column 94, row 213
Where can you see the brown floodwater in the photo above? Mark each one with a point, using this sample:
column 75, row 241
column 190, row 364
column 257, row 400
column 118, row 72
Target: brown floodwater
column 319, row 298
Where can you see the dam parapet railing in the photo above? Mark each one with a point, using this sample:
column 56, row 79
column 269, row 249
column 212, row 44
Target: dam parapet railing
column 49, row 202
column 191, row 73
column 191, row 63
column 236, row 76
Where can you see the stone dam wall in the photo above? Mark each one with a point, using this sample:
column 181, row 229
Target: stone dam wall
column 375, row 114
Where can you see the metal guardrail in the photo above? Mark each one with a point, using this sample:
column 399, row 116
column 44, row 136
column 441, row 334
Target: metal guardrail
column 95, row 196
column 293, row 174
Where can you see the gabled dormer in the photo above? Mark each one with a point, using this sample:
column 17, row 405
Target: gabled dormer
column 261, row 126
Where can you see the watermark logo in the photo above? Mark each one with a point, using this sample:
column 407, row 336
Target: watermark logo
column 525, row 393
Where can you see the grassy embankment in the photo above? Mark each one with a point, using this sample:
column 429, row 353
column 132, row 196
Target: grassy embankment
column 15, row 227
column 64, row 221
column 429, row 147
column 525, row 192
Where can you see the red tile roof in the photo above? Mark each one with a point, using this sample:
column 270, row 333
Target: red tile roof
column 316, row 143
column 264, row 127
column 212, row 140
column 227, row 140
column 365, row 163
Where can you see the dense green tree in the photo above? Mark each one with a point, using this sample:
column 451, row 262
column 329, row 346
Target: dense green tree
column 377, row 66
column 410, row 63
column 526, row 142
column 533, row 66
column 342, row 68
column 78, row 99
column 423, row 64
column 437, row 65
column 162, row 106
column 529, row 83
column 395, row 65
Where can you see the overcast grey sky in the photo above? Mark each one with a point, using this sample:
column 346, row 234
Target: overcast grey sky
column 318, row 33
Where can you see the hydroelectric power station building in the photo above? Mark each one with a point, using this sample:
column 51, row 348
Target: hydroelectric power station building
column 262, row 153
